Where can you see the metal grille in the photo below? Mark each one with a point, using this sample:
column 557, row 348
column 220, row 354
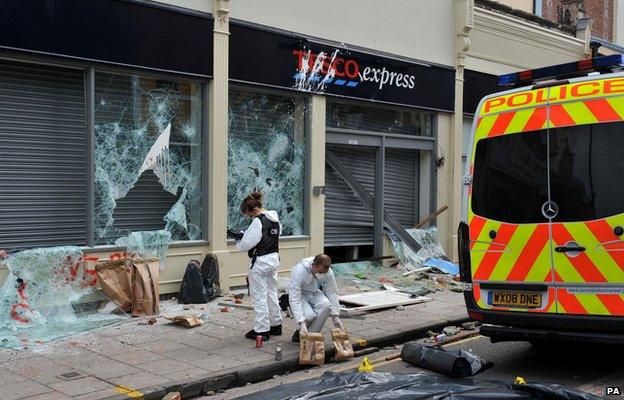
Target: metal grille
column 400, row 186
column 347, row 222
column 43, row 184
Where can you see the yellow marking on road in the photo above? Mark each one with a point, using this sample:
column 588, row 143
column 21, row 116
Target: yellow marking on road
column 128, row 391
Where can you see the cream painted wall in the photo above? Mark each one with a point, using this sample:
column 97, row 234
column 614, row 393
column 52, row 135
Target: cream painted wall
column 396, row 26
column 446, row 227
column 502, row 44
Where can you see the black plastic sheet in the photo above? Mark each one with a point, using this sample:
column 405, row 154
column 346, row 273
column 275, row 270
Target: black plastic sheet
column 455, row 363
column 388, row 386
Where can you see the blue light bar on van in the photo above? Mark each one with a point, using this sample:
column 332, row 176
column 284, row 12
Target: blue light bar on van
column 568, row 69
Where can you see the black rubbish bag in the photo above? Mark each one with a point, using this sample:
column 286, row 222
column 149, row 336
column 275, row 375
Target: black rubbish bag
column 284, row 302
column 454, row 363
column 210, row 275
column 200, row 282
column 389, row 386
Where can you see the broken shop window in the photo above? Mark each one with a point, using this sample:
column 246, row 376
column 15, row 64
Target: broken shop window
column 266, row 149
column 51, row 293
column 148, row 157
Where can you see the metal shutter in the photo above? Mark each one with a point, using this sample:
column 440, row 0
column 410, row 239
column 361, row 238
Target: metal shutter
column 400, row 185
column 43, row 185
column 347, row 222
column 145, row 205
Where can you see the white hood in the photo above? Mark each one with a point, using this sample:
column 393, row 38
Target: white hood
column 272, row 215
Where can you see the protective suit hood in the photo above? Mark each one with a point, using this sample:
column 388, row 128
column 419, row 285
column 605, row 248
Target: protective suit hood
column 272, row 215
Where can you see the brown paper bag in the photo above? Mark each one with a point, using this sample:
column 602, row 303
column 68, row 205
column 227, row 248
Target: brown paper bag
column 145, row 289
column 311, row 349
column 186, row 321
column 114, row 279
column 344, row 348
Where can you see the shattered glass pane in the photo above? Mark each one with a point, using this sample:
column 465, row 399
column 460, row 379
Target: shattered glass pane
column 148, row 156
column 379, row 118
column 51, row 293
column 266, row 151
column 429, row 241
column 146, row 245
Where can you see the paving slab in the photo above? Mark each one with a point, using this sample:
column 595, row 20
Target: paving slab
column 132, row 359
column 22, row 389
column 81, row 386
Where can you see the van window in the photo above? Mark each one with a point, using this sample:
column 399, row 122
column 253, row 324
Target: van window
column 587, row 171
column 510, row 182
column 586, row 174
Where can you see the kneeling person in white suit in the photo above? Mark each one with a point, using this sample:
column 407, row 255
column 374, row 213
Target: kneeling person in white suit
column 313, row 295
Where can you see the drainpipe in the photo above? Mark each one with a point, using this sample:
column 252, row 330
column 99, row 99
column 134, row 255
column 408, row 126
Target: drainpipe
column 464, row 21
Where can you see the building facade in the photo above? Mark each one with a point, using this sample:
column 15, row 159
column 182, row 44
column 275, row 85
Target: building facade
column 129, row 115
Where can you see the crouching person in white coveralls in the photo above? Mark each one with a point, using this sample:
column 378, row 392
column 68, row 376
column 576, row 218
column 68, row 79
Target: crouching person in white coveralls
column 313, row 295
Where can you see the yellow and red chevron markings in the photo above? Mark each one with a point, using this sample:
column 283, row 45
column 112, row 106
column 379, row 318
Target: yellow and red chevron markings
column 521, row 253
column 554, row 116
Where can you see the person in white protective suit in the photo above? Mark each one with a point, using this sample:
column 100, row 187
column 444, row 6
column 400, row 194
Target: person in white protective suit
column 313, row 295
column 261, row 241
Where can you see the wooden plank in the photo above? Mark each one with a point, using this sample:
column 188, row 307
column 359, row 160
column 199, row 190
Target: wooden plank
column 431, row 217
column 416, row 300
column 375, row 298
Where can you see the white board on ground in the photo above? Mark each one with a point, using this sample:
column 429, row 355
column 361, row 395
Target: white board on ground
column 378, row 300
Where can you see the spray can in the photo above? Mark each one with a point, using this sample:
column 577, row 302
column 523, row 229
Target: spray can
column 278, row 353
column 259, row 342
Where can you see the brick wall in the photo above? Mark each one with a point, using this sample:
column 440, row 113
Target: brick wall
column 600, row 12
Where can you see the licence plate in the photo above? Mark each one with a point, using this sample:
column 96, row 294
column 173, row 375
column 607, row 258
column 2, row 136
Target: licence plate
column 516, row 299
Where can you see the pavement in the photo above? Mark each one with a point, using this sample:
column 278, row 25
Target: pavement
column 137, row 360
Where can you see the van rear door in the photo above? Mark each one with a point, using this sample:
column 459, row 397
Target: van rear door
column 586, row 174
column 509, row 235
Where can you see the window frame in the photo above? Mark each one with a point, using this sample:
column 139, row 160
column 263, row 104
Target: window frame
column 254, row 89
column 88, row 70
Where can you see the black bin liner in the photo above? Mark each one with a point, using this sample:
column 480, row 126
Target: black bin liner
column 200, row 283
column 454, row 363
column 388, row 386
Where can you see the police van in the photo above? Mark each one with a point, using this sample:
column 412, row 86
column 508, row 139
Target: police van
column 541, row 240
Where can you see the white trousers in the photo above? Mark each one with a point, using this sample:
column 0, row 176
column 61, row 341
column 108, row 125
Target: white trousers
column 316, row 310
column 263, row 290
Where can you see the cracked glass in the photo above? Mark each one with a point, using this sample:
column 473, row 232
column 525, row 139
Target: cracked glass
column 148, row 157
column 266, row 151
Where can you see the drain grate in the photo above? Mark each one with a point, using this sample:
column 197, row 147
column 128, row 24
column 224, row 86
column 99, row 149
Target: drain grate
column 71, row 376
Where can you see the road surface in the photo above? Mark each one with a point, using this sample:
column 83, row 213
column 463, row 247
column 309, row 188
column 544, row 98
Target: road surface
column 586, row 367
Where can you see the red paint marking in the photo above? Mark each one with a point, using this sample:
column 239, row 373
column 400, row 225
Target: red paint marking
column 115, row 256
column 17, row 315
column 583, row 265
column 501, row 124
column 559, row 116
column 536, row 120
column 476, row 226
column 494, row 252
column 613, row 303
column 602, row 110
column 529, row 254
column 91, row 258
column 570, row 303
column 603, row 232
